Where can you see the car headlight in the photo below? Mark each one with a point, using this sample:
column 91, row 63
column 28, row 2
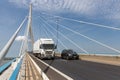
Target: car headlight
column 70, row 54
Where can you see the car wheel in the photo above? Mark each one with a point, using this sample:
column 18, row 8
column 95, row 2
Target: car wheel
column 62, row 57
column 77, row 58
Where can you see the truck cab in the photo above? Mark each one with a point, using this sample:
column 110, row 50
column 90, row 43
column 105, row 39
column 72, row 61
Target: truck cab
column 44, row 48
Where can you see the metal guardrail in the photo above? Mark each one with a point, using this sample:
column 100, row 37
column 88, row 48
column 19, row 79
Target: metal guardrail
column 5, row 66
column 16, row 71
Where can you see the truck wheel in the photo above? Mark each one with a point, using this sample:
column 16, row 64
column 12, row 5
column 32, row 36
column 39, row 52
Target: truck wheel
column 52, row 58
column 35, row 55
column 67, row 57
column 39, row 56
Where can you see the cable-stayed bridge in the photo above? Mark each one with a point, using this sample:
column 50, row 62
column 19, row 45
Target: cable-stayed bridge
column 90, row 66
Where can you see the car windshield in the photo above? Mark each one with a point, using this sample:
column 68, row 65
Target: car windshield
column 47, row 46
column 71, row 52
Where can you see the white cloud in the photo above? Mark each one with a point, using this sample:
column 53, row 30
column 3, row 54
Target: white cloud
column 20, row 38
column 80, row 6
column 19, row 3
column 57, row 5
column 104, row 8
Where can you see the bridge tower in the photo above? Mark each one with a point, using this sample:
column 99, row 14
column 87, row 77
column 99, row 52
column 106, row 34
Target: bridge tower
column 29, row 32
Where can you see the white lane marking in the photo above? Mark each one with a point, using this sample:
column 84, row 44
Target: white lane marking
column 44, row 76
column 59, row 72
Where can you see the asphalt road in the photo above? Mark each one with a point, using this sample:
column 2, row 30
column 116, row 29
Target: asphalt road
column 80, row 70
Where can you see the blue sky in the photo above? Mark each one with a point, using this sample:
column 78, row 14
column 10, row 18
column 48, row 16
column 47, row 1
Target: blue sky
column 105, row 12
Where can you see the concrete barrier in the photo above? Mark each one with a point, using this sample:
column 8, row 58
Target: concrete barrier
column 44, row 76
column 106, row 59
column 113, row 58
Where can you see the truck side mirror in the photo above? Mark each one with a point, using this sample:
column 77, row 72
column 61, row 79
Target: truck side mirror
column 40, row 47
column 55, row 47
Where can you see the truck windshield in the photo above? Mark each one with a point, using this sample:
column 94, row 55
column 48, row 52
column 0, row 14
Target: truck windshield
column 47, row 46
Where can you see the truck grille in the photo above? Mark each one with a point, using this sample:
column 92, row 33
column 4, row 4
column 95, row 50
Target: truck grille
column 48, row 52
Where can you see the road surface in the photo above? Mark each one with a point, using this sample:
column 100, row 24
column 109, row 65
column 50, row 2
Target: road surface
column 79, row 69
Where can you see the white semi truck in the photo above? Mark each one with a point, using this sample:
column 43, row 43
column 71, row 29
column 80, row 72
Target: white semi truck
column 44, row 48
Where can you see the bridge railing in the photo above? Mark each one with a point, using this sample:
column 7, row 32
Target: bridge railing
column 15, row 73
column 5, row 66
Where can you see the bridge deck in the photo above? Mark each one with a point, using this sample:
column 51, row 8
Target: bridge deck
column 29, row 69
column 78, row 69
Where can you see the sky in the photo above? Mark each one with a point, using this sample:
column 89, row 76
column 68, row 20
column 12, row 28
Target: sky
column 105, row 12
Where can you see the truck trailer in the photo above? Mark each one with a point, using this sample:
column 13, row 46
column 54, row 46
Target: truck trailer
column 44, row 48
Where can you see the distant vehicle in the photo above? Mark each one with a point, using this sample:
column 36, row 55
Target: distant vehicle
column 69, row 54
column 44, row 48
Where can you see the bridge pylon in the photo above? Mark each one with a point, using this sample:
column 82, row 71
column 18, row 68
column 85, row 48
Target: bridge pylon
column 29, row 32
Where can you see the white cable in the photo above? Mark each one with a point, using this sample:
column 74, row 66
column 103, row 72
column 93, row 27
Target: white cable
column 45, row 32
column 90, row 38
column 66, row 37
column 23, row 44
column 6, row 48
column 56, row 37
column 84, row 22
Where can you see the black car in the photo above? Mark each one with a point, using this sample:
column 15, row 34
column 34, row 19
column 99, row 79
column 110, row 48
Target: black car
column 69, row 54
